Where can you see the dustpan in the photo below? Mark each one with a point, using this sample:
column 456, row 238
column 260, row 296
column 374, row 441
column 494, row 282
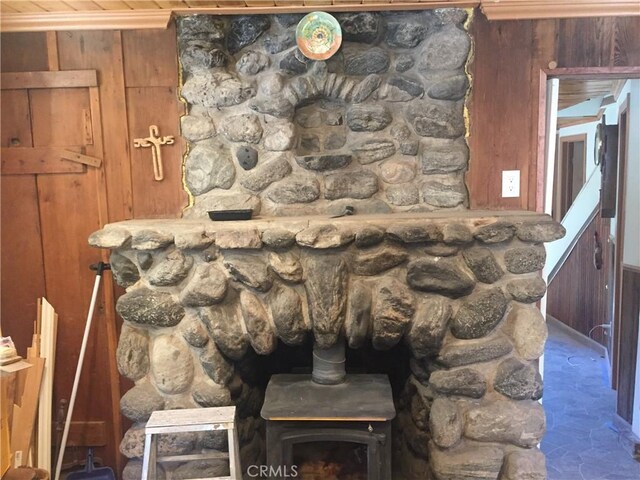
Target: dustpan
column 92, row 473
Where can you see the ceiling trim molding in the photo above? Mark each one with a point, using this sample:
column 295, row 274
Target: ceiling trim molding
column 538, row 9
column 90, row 20
column 159, row 18
column 343, row 6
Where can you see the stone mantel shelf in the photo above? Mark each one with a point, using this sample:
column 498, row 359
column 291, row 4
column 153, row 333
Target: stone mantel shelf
column 528, row 226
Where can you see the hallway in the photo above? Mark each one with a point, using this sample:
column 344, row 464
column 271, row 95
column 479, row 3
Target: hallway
column 581, row 442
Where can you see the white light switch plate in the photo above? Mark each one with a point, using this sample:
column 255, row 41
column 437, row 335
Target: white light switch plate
column 510, row 183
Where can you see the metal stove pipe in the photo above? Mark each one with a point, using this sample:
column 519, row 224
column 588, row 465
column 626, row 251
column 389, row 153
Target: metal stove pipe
column 329, row 364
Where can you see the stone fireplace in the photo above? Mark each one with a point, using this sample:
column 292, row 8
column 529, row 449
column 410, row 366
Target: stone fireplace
column 354, row 169
column 379, row 126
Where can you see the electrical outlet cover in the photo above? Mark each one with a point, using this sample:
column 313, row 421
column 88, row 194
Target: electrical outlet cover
column 510, row 183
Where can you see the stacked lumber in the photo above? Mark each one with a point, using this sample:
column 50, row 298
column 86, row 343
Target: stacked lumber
column 27, row 391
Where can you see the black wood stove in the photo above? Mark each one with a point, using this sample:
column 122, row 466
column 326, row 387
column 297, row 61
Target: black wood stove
column 344, row 415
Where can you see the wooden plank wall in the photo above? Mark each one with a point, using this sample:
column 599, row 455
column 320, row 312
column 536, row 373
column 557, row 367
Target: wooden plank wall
column 628, row 349
column 137, row 87
column 577, row 295
column 46, row 219
column 509, row 55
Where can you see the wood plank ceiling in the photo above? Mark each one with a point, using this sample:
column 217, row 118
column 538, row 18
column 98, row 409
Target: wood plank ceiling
column 576, row 91
column 573, row 91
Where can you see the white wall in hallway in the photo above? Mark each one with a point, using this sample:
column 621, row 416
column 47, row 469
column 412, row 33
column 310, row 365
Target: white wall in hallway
column 632, row 206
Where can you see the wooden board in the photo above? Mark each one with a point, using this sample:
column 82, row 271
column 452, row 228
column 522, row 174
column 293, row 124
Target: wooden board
column 586, row 42
column 88, row 434
column 102, row 51
column 68, row 106
column 80, row 158
column 21, row 258
column 69, row 212
column 501, row 126
column 48, row 353
column 579, row 279
column 24, row 415
column 627, row 42
column 75, row 196
column 628, row 348
column 150, row 58
column 544, row 48
column 67, row 79
column 158, row 106
column 37, row 160
column 15, row 119
column 23, row 52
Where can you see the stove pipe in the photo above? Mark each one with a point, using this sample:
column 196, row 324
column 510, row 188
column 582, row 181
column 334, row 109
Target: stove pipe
column 328, row 364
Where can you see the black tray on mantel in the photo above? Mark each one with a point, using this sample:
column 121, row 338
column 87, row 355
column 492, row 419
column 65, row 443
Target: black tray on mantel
column 228, row 215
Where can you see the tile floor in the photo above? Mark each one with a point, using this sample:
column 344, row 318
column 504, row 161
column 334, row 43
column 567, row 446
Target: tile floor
column 581, row 442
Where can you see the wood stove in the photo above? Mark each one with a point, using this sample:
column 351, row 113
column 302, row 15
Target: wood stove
column 353, row 415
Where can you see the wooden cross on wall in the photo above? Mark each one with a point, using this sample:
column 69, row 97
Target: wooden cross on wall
column 155, row 141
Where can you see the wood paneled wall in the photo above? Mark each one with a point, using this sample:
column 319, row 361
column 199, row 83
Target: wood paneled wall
column 629, row 348
column 46, row 219
column 504, row 110
column 578, row 295
column 137, row 74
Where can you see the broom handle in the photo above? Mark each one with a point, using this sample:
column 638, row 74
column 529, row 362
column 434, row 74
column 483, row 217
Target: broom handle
column 96, row 286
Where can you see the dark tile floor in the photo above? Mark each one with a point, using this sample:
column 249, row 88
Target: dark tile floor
column 581, row 442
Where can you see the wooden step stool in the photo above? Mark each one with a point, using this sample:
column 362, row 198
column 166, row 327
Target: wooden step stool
column 191, row 420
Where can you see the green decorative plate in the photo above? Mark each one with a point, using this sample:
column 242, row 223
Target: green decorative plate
column 318, row 35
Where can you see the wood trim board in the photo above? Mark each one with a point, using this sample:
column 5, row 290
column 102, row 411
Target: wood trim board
column 59, row 79
column 623, row 134
column 578, row 73
column 561, row 202
column 49, row 320
column 24, row 415
column 629, row 311
column 80, row 158
column 539, row 9
column 39, row 160
column 107, row 289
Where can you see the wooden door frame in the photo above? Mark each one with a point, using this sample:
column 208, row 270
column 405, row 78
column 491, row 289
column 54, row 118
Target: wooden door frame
column 560, row 172
column 620, row 230
column 567, row 74
column 584, row 73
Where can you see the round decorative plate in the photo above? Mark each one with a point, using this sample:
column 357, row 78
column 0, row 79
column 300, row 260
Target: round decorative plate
column 318, row 36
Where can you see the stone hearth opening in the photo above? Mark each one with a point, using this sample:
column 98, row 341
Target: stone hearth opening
column 437, row 298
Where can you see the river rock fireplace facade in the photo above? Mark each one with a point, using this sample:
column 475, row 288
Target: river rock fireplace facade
column 459, row 292
column 441, row 299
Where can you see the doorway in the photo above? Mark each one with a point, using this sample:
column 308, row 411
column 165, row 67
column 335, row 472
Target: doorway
column 589, row 168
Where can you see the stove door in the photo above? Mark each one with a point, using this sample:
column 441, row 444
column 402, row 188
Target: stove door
column 331, row 450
